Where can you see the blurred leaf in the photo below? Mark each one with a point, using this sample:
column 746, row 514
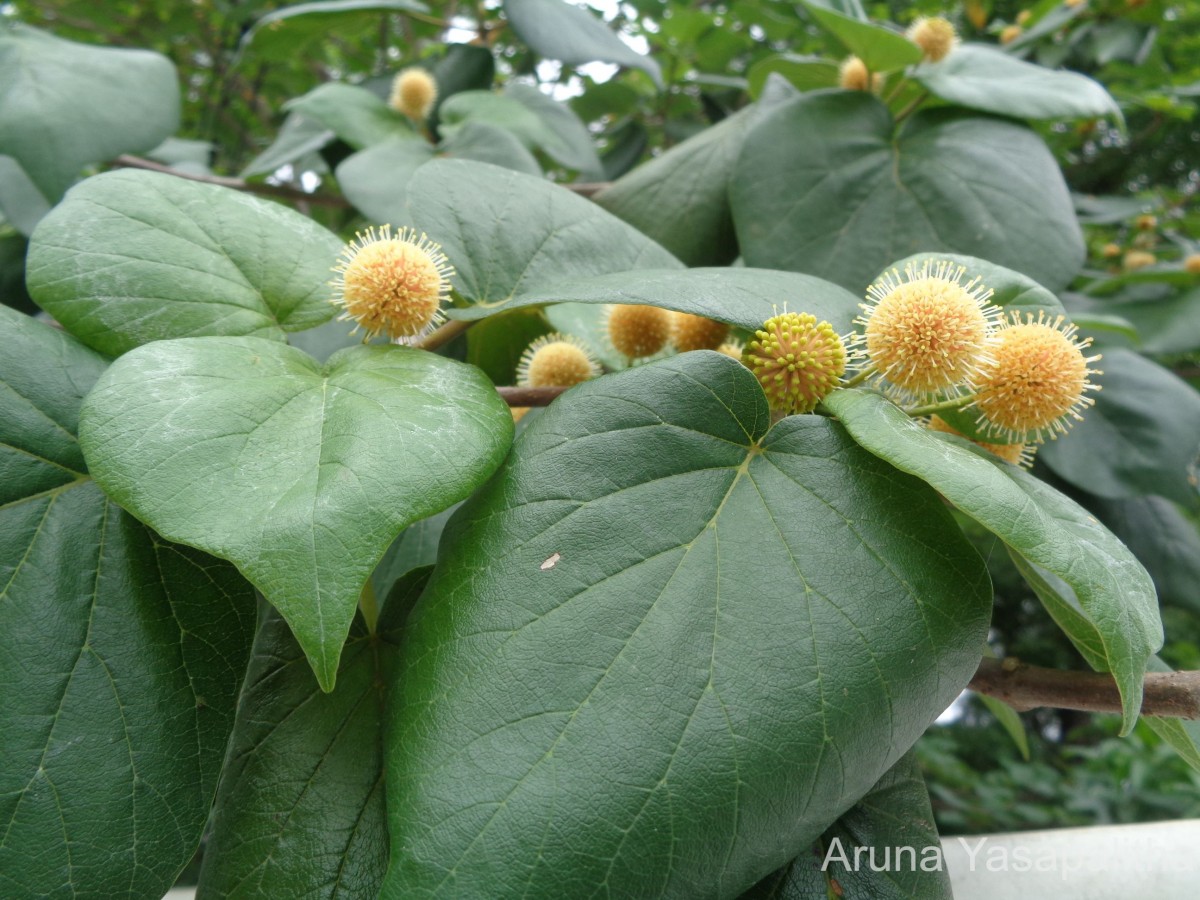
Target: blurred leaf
column 132, row 256
column 375, row 180
column 353, row 113
column 881, row 49
column 573, row 147
column 982, row 77
column 486, row 143
column 64, row 105
column 21, row 203
column 557, row 29
column 805, row 73
column 281, row 35
column 299, row 474
column 1010, row 721
column 298, row 137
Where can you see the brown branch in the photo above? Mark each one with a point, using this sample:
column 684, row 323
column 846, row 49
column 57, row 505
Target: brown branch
column 1169, row 694
column 523, row 396
column 266, row 190
column 587, row 188
column 445, row 333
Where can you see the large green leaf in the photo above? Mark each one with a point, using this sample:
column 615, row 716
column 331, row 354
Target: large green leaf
column 989, row 79
column 298, row 138
column 64, row 105
column 21, row 203
column 558, row 29
column 1142, row 436
column 1063, row 605
column 895, row 814
column 353, row 113
column 823, row 186
column 1034, row 520
column 120, row 654
column 667, row 645
column 508, row 233
column 882, row 49
column 572, row 145
column 317, row 756
column 687, row 184
column 299, row 474
column 281, row 35
column 132, row 256
column 740, row 296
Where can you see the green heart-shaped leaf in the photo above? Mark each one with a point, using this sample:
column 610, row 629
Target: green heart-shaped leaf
column 299, row 474
column 64, row 105
column 1034, row 520
column 131, row 257
column 508, row 233
column 121, row 655
column 824, row 186
column 733, row 631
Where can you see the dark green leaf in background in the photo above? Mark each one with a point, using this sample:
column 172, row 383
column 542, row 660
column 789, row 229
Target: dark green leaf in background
column 895, row 814
column 881, row 49
column 558, row 29
column 508, row 233
column 120, row 655
column 300, row 811
column 64, row 105
column 353, row 113
column 281, row 35
column 822, row 186
column 375, row 179
column 1035, row 521
column 663, row 648
column 300, row 474
column 1142, row 436
column 131, row 257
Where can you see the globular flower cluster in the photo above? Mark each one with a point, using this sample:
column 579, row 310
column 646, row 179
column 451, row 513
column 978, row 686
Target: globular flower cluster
column 932, row 338
column 636, row 331
column 797, row 360
column 556, row 360
column 414, row 93
column 392, row 284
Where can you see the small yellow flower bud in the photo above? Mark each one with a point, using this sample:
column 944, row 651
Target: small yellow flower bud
column 1071, row 4
column 1138, row 259
column 690, row 332
column 853, row 76
column 1024, row 16
column 638, row 331
column 1191, row 263
column 1111, row 251
column 797, row 360
column 413, row 93
column 934, row 35
column 1145, row 222
column 1011, row 33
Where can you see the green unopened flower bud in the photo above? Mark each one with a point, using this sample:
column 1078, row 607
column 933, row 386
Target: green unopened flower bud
column 797, row 360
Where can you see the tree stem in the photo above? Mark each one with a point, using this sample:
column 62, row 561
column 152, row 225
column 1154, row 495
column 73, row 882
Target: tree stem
column 931, row 408
column 445, row 333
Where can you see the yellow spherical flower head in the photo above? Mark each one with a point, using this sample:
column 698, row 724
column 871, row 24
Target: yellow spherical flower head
column 928, row 331
column 1010, row 33
column 1017, row 454
column 934, row 35
column 1138, row 259
column 638, row 331
column 556, row 360
column 797, row 360
column 1191, row 264
column 853, row 75
column 413, row 93
column 1037, row 381
column 392, row 284
column 690, row 332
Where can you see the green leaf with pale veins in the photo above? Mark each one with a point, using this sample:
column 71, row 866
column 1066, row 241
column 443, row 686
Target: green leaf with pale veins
column 120, row 655
column 826, row 185
column 734, row 629
column 300, row 474
column 300, row 811
column 895, row 814
column 131, row 257
column 1034, row 520
column 508, row 233
column 64, row 105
